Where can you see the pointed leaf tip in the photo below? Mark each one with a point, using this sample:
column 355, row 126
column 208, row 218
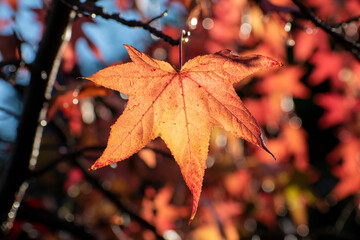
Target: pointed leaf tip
column 131, row 49
column 277, row 63
column 96, row 166
column 193, row 213
column 127, row 47
column 191, row 219
column 266, row 149
column 274, row 63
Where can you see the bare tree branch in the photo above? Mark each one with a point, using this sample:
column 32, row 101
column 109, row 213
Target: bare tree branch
column 114, row 199
column 65, row 157
column 164, row 14
column 353, row 47
column 52, row 221
column 43, row 74
column 350, row 20
column 93, row 11
column 80, row 152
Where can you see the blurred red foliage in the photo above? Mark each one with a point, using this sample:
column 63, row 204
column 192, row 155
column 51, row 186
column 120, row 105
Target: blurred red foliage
column 309, row 111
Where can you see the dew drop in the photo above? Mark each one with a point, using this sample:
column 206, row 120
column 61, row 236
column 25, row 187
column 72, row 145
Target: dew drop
column 43, row 75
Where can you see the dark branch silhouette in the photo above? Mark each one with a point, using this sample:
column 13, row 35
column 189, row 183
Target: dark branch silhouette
column 52, row 221
column 303, row 12
column 114, row 199
column 350, row 20
column 351, row 46
column 28, row 140
column 94, row 11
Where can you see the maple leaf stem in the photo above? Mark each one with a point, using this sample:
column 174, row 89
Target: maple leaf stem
column 180, row 48
column 184, row 38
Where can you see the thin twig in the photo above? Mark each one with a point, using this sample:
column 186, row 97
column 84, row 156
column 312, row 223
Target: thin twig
column 80, row 152
column 9, row 112
column 99, row 11
column 52, row 221
column 344, row 216
column 353, row 47
column 164, row 14
column 64, row 157
column 111, row 196
column 206, row 202
column 353, row 19
column 114, row 199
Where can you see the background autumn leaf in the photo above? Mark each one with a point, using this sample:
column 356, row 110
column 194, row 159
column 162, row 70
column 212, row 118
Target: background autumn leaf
column 347, row 171
column 69, row 103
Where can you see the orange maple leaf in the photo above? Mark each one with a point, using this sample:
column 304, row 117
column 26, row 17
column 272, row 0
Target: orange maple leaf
column 181, row 107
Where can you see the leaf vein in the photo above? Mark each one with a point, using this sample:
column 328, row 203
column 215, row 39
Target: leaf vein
column 186, row 119
column 145, row 112
column 223, row 105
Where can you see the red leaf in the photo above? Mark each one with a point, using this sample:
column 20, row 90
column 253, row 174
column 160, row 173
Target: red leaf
column 348, row 171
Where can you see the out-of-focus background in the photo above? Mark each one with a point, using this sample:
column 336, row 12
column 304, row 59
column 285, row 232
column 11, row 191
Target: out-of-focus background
column 309, row 111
